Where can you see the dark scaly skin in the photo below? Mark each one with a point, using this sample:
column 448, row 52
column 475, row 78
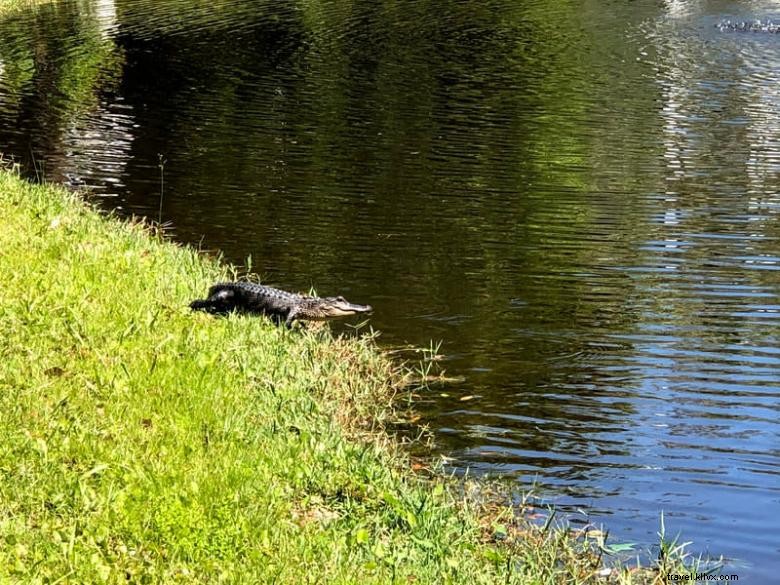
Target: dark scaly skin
column 247, row 297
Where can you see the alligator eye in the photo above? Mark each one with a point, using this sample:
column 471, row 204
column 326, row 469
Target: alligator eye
column 341, row 299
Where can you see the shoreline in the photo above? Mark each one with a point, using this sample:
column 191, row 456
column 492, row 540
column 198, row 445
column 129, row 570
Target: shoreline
column 141, row 441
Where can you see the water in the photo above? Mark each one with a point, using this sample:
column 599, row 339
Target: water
column 579, row 202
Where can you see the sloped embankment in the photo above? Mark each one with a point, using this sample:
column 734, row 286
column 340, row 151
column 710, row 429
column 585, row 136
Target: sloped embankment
column 140, row 442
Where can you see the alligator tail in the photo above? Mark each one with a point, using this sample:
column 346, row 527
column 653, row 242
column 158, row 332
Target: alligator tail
column 202, row 305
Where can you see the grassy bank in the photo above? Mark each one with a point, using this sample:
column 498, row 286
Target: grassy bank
column 141, row 442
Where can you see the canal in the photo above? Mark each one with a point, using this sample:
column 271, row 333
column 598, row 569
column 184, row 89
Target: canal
column 578, row 203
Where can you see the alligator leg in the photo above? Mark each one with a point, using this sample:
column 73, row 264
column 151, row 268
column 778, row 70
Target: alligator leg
column 291, row 317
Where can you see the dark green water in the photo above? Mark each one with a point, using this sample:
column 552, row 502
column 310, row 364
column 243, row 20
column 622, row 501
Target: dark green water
column 579, row 201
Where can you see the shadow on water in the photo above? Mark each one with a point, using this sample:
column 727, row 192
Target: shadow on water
column 581, row 203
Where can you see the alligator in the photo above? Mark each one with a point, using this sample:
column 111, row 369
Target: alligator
column 753, row 26
column 247, row 297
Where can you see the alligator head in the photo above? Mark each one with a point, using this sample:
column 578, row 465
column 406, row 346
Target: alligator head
column 332, row 307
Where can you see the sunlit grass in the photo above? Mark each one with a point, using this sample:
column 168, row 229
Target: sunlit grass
column 140, row 442
column 9, row 6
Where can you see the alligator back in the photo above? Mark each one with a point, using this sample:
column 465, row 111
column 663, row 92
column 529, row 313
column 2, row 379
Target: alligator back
column 248, row 297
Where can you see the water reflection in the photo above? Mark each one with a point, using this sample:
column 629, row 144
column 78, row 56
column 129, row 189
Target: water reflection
column 580, row 204
column 57, row 110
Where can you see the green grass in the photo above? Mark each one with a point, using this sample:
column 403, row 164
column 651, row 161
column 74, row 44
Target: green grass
column 143, row 443
column 9, row 6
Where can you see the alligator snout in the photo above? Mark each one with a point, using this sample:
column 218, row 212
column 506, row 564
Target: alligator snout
column 340, row 307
